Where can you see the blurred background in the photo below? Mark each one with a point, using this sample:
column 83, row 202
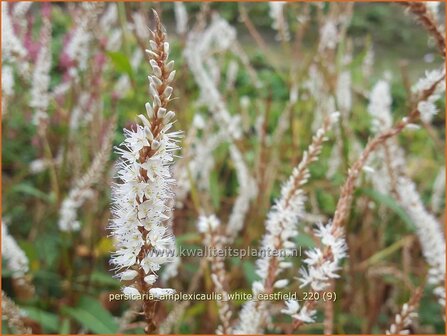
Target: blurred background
column 74, row 75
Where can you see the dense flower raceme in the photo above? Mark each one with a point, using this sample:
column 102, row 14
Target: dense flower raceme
column 319, row 268
column 210, row 226
column 41, row 77
column 141, row 199
column 279, row 22
column 220, row 36
column 429, row 233
column 322, row 263
column 391, row 177
column 12, row 47
column 281, row 228
column 384, row 176
column 427, row 107
column 82, row 190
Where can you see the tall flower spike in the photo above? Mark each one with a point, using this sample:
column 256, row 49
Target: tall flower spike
column 281, row 228
column 82, row 190
column 142, row 199
column 392, row 179
column 41, row 77
column 213, row 239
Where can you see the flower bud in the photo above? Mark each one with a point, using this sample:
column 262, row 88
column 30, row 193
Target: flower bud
column 161, row 112
column 131, row 291
column 170, row 66
column 151, row 53
column 157, row 100
column 150, row 279
column 128, row 275
column 281, row 283
column 160, row 292
column 149, row 110
column 148, row 134
column 171, row 76
column 169, row 116
column 167, row 92
column 153, row 45
column 146, row 122
column 166, row 48
column 153, row 90
column 155, row 80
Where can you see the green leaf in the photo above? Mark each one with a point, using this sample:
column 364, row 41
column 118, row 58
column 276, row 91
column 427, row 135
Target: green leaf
column 48, row 321
column 47, row 246
column 249, row 271
column 187, row 237
column 101, row 278
column 390, row 203
column 28, row 189
column 92, row 315
column 304, row 240
column 194, row 310
column 5, row 329
column 215, row 189
column 65, row 327
column 121, row 62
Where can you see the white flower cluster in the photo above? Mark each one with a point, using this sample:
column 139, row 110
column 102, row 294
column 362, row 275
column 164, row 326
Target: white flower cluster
column 322, row 264
column 248, row 190
column 208, row 224
column 82, row 191
column 380, row 106
column 16, row 260
column 199, row 161
column 7, row 86
column 209, row 227
column 329, row 36
column 20, row 9
column 318, row 90
column 368, row 62
column 281, row 228
column 219, row 36
column 12, row 47
column 403, row 320
column 78, row 47
column 109, row 17
column 68, row 211
column 140, row 26
column 427, row 107
column 294, row 309
column 433, row 7
column 7, row 80
column 322, row 267
column 429, row 232
column 343, row 93
column 142, row 199
column 437, row 197
column 232, row 72
column 41, row 77
column 279, row 21
column 380, row 110
column 181, row 17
